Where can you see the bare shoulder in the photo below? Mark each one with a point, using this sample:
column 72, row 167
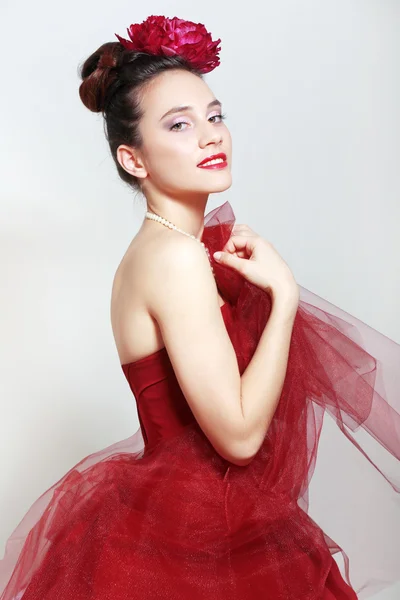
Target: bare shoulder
column 181, row 268
column 151, row 261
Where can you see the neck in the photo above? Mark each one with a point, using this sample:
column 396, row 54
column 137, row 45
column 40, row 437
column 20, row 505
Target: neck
column 188, row 217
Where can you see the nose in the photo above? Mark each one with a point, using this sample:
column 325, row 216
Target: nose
column 210, row 135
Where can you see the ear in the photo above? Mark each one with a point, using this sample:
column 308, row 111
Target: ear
column 129, row 158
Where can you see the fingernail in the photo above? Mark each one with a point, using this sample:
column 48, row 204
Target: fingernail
column 217, row 255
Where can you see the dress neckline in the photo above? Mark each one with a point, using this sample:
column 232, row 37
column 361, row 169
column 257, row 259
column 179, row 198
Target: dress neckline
column 157, row 352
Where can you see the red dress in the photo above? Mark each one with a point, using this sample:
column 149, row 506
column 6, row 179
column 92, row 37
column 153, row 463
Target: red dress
column 161, row 515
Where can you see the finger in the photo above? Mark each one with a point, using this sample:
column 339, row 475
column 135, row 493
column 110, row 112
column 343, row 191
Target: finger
column 236, row 250
column 230, row 260
column 239, row 243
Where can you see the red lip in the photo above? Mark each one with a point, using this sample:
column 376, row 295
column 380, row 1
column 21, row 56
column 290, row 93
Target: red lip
column 220, row 155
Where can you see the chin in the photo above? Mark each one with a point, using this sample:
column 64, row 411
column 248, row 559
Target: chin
column 220, row 186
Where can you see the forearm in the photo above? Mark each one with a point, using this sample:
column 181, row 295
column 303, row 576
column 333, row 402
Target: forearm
column 263, row 379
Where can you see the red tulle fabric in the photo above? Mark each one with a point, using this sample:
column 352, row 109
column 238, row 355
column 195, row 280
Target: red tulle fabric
column 161, row 515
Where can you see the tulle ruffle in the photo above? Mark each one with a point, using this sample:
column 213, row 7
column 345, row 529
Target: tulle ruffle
column 176, row 521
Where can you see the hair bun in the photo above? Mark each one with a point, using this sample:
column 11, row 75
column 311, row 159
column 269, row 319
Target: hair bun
column 107, row 60
column 99, row 75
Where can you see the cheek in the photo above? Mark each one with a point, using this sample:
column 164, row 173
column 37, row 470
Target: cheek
column 167, row 161
column 175, row 152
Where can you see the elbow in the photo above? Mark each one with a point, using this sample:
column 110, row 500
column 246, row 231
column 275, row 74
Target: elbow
column 243, row 449
column 243, row 456
column 241, row 461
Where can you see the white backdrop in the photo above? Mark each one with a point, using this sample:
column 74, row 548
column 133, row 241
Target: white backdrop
column 311, row 90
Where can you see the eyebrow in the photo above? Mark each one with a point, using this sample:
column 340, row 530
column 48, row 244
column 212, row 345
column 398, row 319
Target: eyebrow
column 177, row 109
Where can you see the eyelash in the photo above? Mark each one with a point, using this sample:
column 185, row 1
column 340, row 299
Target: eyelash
column 222, row 117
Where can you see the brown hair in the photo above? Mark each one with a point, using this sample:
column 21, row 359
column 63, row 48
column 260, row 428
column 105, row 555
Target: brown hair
column 113, row 83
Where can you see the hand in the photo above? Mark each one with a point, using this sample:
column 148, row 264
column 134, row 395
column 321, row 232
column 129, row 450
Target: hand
column 257, row 261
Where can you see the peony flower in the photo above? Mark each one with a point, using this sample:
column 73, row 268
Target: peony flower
column 160, row 35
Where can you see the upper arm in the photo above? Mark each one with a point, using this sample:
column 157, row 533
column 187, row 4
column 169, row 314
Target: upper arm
column 183, row 299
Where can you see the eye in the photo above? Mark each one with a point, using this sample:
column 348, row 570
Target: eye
column 221, row 116
column 179, row 123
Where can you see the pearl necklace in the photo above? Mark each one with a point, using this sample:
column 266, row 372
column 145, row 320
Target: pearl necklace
column 155, row 217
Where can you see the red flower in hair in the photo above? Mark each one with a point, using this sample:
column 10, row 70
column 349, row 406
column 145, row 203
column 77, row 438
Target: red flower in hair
column 163, row 36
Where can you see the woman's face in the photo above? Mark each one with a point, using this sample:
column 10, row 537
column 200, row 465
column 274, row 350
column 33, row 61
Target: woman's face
column 176, row 143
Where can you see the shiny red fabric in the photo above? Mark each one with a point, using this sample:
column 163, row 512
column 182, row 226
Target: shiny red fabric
column 161, row 515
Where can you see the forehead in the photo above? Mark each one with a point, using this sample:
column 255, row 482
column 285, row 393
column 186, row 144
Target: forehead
column 173, row 88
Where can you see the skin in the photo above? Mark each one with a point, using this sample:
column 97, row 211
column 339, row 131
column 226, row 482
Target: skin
column 174, row 187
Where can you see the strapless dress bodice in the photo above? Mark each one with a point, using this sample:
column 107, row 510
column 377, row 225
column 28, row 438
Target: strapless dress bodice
column 161, row 405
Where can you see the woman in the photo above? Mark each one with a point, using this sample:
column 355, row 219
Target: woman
column 230, row 371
